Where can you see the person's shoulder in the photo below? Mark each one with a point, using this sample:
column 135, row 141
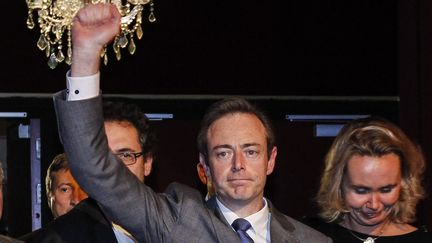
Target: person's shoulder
column 82, row 217
column 86, row 218
column 424, row 233
column 289, row 225
column 182, row 199
column 6, row 239
column 87, row 213
column 424, row 229
column 319, row 224
column 39, row 236
column 303, row 230
column 180, row 192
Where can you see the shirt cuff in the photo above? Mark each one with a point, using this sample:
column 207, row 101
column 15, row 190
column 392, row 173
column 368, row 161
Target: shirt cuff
column 81, row 88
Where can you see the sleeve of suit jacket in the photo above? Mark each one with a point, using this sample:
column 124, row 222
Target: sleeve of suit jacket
column 150, row 217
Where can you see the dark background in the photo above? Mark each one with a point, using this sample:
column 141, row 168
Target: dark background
column 291, row 57
column 212, row 47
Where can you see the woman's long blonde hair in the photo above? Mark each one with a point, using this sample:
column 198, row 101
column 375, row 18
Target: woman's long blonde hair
column 371, row 137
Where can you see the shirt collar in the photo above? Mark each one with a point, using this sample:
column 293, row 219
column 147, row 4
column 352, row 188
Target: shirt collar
column 259, row 220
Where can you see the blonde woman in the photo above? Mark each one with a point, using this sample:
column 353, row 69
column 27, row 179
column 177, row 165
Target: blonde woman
column 371, row 185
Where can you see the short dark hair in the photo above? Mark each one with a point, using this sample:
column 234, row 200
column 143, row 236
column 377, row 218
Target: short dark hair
column 231, row 106
column 127, row 112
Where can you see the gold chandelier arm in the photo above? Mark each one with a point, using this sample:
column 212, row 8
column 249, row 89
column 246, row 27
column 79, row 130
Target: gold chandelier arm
column 54, row 17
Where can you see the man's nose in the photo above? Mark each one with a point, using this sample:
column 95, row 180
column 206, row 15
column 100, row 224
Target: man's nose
column 238, row 161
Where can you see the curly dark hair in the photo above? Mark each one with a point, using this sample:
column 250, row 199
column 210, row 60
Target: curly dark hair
column 120, row 111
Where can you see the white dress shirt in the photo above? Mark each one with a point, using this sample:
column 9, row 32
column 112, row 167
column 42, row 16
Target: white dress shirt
column 122, row 235
column 81, row 88
column 260, row 222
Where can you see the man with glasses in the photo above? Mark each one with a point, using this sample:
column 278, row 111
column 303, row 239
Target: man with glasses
column 130, row 139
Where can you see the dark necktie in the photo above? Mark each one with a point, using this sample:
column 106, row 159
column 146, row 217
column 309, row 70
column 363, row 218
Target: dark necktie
column 241, row 226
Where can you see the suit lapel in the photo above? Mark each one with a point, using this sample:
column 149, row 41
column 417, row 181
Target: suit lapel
column 212, row 205
column 281, row 230
column 222, row 227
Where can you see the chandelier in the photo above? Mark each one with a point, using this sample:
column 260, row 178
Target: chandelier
column 55, row 17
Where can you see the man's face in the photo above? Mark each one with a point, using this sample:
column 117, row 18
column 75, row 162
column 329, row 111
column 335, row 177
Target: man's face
column 66, row 193
column 238, row 160
column 123, row 137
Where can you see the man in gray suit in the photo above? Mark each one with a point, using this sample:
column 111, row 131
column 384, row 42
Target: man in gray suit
column 236, row 145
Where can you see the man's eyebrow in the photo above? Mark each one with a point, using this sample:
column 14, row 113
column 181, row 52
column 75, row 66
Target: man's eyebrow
column 65, row 184
column 250, row 145
column 123, row 150
column 222, row 146
column 231, row 147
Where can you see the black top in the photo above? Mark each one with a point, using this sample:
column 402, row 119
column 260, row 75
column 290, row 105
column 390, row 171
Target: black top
column 85, row 223
column 341, row 234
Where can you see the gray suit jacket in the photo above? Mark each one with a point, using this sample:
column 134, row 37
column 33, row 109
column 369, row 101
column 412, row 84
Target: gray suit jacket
column 178, row 215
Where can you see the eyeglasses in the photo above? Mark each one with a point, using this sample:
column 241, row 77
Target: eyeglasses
column 128, row 158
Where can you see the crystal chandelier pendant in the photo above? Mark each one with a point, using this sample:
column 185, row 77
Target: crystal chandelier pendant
column 52, row 61
column 30, row 22
column 132, row 46
column 42, row 43
column 54, row 17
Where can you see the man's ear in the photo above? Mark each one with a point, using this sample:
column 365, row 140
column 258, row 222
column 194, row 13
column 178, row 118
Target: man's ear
column 201, row 173
column 50, row 201
column 272, row 161
column 148, row 164
column 202, row 161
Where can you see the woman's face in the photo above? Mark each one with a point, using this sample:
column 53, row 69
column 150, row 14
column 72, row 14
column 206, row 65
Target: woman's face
column 372, row 187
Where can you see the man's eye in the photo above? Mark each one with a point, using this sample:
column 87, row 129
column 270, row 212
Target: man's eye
column 251, row 153
column 65, row 189
column 222, row 154
column 127, row 155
